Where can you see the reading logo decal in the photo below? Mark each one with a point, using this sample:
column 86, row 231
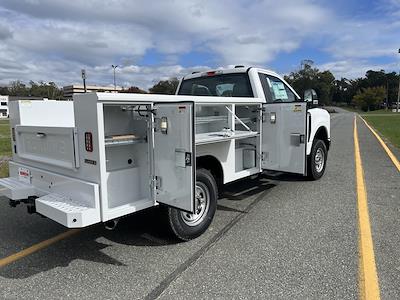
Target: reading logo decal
column 297, row 108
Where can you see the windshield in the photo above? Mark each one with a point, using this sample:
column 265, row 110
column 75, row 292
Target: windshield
column 224, row 85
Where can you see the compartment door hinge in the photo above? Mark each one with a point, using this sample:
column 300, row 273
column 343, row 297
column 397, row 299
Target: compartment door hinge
column 156, row 182
column 263, row 115
column 264, row 156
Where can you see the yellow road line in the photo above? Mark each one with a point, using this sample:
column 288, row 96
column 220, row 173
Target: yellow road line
column 14, row 257
column 385, row 147
column 368, row 277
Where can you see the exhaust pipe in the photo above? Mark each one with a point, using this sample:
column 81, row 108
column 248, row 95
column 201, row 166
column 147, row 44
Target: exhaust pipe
column 110, row 225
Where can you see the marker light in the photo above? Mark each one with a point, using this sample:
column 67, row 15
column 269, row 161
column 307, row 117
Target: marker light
column 273, row 117
column 164, row 125
column 88, row 142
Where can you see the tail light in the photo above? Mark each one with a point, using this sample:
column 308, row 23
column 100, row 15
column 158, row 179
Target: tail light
column 88, row 142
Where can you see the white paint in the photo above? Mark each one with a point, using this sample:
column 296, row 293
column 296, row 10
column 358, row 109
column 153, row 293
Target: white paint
column 99, row 190
column 46, row 113
column 319, row 119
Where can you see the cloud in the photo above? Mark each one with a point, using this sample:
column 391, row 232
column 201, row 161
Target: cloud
column 5, row 32
column 73, row 34
column 364, row 39
column 53, row 40
column 354, row 68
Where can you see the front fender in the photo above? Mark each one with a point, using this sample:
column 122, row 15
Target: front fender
column 316, row 119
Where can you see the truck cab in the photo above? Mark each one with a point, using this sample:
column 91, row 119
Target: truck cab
column 291, row 126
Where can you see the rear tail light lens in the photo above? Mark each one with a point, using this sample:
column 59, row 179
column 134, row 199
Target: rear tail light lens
column 88, row 142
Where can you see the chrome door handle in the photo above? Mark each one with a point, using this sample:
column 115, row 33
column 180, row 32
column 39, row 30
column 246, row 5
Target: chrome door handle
column 40, row 134
column 272, row 117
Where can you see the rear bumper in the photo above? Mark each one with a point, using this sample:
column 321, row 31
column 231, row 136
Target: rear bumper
column 15, row 189
column 69, row 201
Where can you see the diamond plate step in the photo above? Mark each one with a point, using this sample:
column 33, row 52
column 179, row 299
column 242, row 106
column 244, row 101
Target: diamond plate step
column 66, row 211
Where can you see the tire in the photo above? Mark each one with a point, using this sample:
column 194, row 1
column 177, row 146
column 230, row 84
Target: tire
column 317, row 160
column 187, row 226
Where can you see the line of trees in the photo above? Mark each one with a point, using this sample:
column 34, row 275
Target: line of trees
column 375, row 90
column 36, row 89
column 51, row 91
column 168, row 86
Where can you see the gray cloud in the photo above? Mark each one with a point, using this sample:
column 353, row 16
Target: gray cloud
column 355, row 68
column 96, row 44
column 52, row 40
column 5, row 32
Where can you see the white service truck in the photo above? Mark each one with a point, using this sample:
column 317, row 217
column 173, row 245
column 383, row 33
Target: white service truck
column 103, row 156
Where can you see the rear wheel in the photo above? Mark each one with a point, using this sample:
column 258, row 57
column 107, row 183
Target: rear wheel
column 187, row 226
column 317, row 160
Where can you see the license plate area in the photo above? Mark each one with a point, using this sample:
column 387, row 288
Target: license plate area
column 50, row 145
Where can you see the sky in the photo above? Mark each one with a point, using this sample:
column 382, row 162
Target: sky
column 150, row 40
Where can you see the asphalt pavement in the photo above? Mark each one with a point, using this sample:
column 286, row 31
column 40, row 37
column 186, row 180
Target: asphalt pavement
column 276, row 237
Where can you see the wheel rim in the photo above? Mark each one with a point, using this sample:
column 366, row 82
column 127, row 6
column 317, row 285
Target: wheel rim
column 319, row 160
column 202, row 203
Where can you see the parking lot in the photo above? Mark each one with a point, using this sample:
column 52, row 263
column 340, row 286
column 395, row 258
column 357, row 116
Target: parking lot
column 273, row 237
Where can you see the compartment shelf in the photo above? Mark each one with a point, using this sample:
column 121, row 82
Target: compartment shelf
column 122, row 140
column 208, row 119
column 220, row 136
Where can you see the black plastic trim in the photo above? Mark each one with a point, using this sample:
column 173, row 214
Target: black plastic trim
column 307, row 139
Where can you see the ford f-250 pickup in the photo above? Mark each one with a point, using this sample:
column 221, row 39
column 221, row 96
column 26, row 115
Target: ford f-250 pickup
column 107, row 155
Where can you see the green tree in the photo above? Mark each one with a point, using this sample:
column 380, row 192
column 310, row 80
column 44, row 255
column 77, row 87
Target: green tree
column 4, row 90
column 36, row 89
column 18, row 88
column 134, row 90
column 369, row 98
column 311, row 78
column 53, row 92
column 379, row 79
column 165, row 86
column 46, row 90
column 324, row 86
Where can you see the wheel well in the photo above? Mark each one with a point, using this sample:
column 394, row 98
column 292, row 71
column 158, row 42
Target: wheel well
column 213, row 165
column 322, row 134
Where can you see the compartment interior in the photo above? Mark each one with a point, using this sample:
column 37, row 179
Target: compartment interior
column 212, row 118
column 246, row 153
column 126, row 132
column 248, row 115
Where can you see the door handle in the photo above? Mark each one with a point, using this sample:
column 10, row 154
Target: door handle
column 40, row 134
column 272, row 117
column 296, row 139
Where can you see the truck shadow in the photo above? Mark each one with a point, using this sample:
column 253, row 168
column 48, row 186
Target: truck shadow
column 287, row 177
column 245, row 188
column 143, row 229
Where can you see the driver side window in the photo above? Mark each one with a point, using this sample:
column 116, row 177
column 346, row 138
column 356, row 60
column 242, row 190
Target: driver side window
column 276, row 90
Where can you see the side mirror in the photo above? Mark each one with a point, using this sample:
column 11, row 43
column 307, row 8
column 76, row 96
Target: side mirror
column 311, row 97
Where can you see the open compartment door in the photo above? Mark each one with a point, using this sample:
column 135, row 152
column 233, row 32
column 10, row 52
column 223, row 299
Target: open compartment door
column 174, row 157
column 284, row 136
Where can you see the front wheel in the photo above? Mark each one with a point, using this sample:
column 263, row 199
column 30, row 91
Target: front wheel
column 187, row 226
column 317, row 160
